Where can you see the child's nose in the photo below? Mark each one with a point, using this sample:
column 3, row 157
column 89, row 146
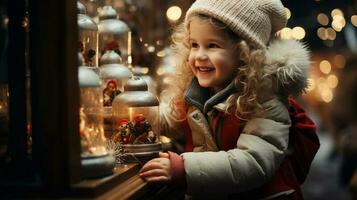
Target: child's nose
column 201, row 54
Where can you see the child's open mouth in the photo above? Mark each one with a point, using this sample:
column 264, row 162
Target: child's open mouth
column 205, row 69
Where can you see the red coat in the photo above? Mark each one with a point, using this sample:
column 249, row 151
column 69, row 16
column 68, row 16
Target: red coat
column 294, row 169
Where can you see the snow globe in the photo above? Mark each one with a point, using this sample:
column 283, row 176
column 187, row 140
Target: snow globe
column 137, row 122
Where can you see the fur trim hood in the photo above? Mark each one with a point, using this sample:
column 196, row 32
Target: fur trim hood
column 288, row 62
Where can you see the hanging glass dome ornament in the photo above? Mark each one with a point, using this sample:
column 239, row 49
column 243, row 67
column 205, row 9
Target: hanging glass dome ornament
column 81, row 9
column 96, row 160
column 113, row 76
column 137, row 122
column 88, row 39
column 91, row 113
column 113, row 33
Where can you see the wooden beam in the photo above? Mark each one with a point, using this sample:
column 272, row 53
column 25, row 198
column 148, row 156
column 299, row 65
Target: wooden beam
column 55, row 92
column 17, row 150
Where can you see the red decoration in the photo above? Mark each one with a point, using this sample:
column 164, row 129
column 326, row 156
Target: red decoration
column 139, row 118
column 137, row 131
column 123, row 122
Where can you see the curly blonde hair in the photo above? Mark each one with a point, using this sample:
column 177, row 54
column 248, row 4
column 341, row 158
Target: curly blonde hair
column 249, row 80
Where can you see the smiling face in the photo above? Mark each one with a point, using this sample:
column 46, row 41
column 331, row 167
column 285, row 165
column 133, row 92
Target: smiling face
column 213, row 58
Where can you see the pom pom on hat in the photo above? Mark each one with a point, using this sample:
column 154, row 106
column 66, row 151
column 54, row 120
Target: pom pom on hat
column 253, row 20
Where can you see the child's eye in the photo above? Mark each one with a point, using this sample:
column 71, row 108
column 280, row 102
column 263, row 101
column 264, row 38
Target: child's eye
column 194, row 45
column 213, row 45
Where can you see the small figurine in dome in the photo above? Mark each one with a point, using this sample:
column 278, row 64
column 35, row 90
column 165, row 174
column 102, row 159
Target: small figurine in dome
column 143, row 130
column 124, row 133
column 141, row 124
column 138, row 131
column 110, row 92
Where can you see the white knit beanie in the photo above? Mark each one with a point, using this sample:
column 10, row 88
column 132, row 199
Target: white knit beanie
column 253, row 20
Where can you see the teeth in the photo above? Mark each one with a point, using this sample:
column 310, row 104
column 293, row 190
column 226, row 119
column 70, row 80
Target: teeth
column 205, row 69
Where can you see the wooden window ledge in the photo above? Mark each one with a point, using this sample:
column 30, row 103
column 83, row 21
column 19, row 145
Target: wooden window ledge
column 125, row 183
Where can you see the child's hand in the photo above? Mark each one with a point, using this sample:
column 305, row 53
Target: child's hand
column 157, row 170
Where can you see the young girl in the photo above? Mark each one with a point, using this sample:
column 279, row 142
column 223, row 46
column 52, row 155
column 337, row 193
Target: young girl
column 230, row 101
